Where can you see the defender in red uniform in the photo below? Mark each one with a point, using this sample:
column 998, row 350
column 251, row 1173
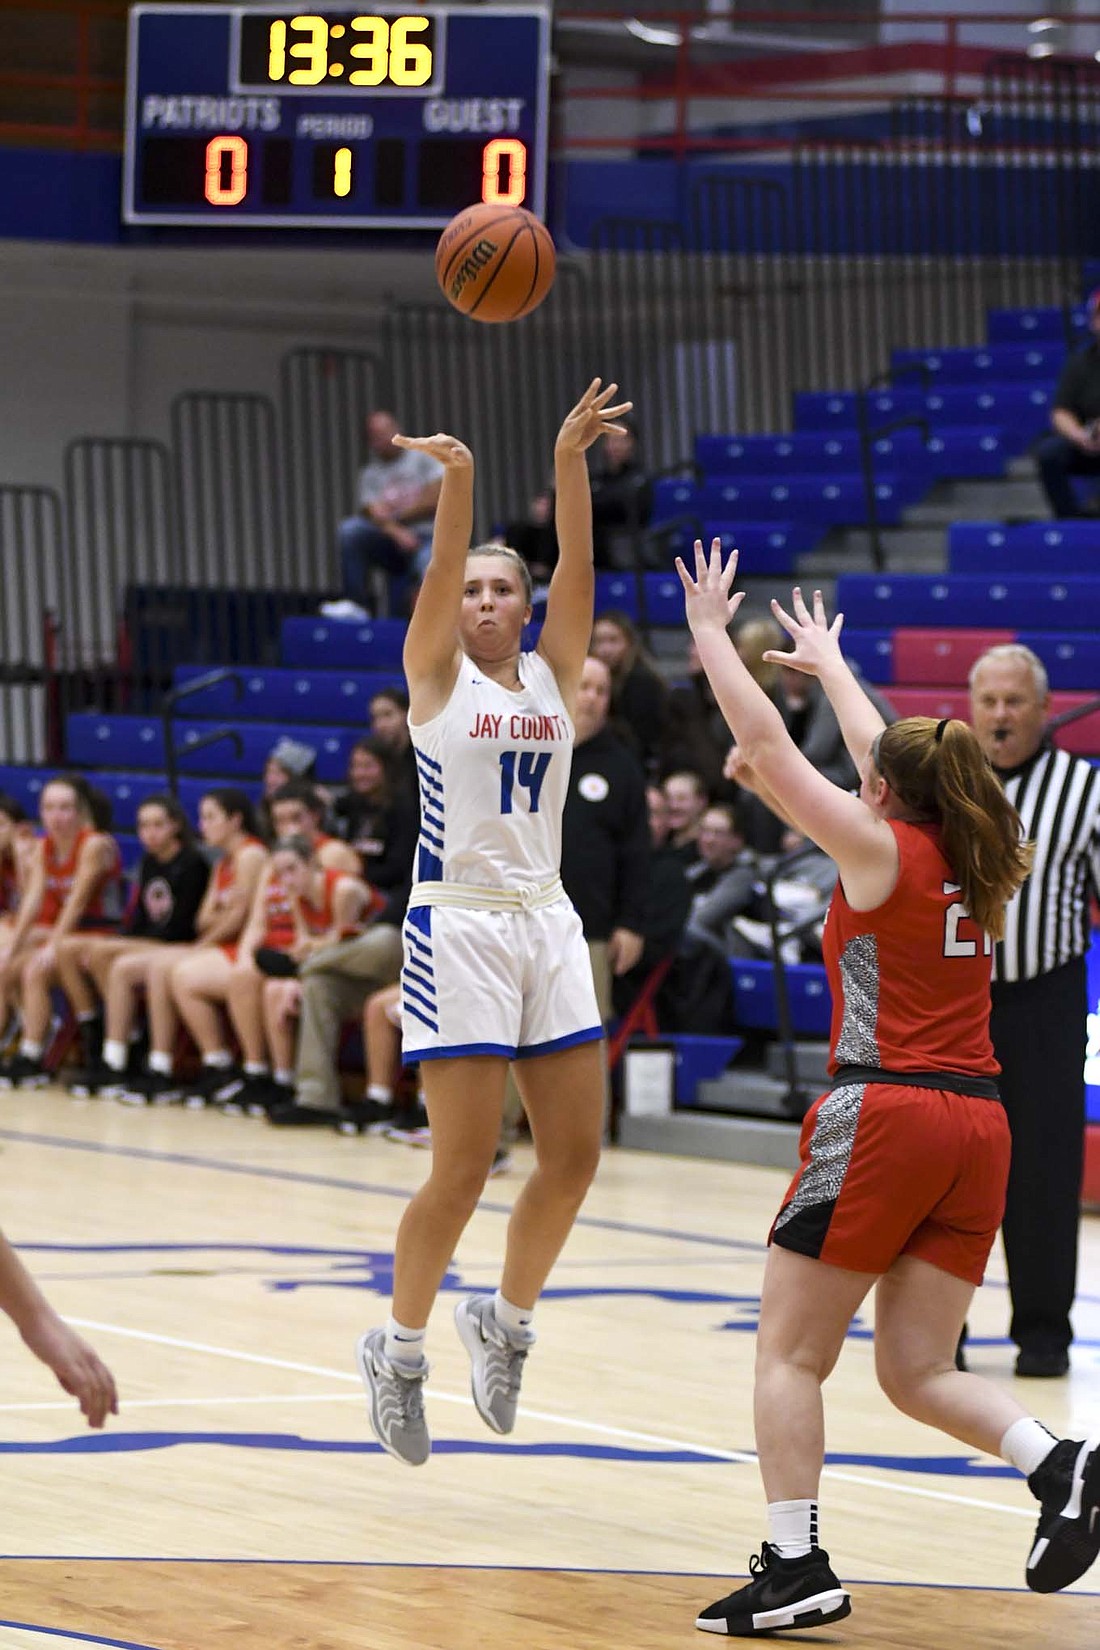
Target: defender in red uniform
column 905, row 1160
column 71, row 875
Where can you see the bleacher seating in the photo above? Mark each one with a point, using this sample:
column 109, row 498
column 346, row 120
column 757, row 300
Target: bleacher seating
column 993, row 362
column 272, row 694
column 1036, row 326
column 1028, row 547
column 1014, row 602
column 807, row 989
column 138, row 742
column 1020, row 412
column 332, row 644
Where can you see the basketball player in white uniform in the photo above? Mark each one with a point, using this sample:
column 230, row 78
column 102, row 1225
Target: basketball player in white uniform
column 496, row 968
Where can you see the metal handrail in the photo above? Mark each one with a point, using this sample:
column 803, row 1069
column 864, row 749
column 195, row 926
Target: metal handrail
column 168, row 710
column 797, row 1100
column 867, row 435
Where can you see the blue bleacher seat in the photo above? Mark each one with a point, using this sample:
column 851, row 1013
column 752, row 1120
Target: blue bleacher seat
column 1030, row 547
column 873, row 600
column 24, row 784
column 765, row 546
column 138, row 742
column 672, row 496
column 1020, row 411
column 784, row 455
column 988, row 361
column 699, row 1059
column 1035, row 326
column 754, row 996
column 1071, row 661
column 664, row 599
column 271, row 694
column 337, row 645
column 617, row 592
column 871, row 651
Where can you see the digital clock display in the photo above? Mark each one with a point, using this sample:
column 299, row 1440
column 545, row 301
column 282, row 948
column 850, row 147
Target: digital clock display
column 340, row 51
column 237, row 116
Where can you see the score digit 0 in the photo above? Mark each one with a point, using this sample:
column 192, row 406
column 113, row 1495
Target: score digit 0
column 504, row 172
column 219, row 150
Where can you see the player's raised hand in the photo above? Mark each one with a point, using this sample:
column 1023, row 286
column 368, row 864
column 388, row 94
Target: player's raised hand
column 816, row 641
column 707, row 598
column 592, row 417
column 446, row 449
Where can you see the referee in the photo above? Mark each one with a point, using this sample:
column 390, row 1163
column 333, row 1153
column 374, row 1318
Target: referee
column 1040, row 998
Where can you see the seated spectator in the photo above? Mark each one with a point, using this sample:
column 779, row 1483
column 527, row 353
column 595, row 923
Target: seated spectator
column 667, row 902
column 17, row 846
column 638, row 694
column 286, row 761
column 171, row 884
column 72, row 883
column 392, row 534
column 723, row 880
column 1074, row 447
column 228, row 827
column 298, row 809
column 809, row 718
column 621, row 500
column 687, row 801
column 534, row 537
column 380, row 1111
column 695, row 734
column 376, row 816
column 335, row 985
column 299, row 909
column 605, row 843
column 389, row 726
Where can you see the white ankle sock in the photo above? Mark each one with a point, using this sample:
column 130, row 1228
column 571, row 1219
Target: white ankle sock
column 1026, row 1444
column 404, row 1345
column 284, row 1078
column 379, row 1092
column 115, row 1054
column 255, row 1068
column 792, row 1527
column 30, row 1050
column 161, row 1064
column 514, row 1320
column 221, row 1059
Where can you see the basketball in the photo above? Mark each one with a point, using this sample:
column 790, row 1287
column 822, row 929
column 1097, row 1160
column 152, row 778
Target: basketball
column 495, row 263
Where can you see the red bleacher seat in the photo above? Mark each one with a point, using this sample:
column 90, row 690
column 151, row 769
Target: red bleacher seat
column 942, row 658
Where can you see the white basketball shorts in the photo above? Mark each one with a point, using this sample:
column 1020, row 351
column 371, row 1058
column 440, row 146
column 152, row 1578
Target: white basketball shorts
column 513, row 983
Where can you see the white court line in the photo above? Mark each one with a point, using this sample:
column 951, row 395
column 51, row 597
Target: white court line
column 737, row 1457
column 225, row 1400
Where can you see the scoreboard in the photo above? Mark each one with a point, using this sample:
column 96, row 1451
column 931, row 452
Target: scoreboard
column 248, row 115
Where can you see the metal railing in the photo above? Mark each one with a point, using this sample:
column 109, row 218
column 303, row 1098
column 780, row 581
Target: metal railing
column 215, row 736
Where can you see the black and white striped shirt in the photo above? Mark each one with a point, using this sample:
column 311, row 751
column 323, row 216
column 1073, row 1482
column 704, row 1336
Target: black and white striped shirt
column 1047, row 924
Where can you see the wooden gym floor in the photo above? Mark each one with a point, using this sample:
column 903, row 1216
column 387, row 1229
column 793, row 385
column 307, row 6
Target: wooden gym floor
column 225, row 1270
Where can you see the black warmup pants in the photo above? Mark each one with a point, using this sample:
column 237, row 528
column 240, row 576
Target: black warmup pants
column 1038, row 1029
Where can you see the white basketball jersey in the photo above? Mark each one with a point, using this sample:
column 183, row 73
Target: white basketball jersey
column 494, row 769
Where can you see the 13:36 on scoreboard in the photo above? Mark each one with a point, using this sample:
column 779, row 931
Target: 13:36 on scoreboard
column 258, row 116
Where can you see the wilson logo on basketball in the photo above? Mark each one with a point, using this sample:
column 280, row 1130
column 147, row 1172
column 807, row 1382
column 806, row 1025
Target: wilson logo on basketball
column 472, row 265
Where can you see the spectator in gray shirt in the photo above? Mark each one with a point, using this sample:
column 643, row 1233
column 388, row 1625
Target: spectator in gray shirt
column 398, row 490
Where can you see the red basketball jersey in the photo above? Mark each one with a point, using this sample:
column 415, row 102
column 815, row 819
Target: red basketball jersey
column 910, row 980
column 60, row 876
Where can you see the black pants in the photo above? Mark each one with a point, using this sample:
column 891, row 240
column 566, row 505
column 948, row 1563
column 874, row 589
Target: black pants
column 1038, row 1029
column 1058, row 459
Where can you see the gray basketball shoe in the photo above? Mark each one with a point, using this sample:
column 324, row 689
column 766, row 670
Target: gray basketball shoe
column 396, row 1401
column 496, row 1361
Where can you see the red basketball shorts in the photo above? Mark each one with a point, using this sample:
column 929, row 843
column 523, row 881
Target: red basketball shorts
column 889, row 1170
